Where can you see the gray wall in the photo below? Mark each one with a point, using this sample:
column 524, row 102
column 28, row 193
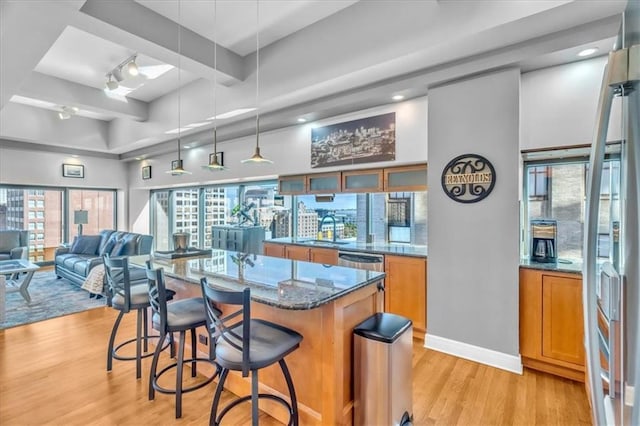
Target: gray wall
column 473, row 248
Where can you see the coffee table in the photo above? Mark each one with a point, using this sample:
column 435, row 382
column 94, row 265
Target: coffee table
column 10, row 271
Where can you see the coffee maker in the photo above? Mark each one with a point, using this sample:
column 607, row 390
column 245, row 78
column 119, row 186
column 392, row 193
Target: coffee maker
column 543, row 241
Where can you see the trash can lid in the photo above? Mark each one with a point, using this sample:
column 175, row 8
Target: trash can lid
column 383, row 327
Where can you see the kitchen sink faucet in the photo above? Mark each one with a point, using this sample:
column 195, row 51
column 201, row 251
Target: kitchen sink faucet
column 332, row 217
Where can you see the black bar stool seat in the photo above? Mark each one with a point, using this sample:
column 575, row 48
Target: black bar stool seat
column 247, row 345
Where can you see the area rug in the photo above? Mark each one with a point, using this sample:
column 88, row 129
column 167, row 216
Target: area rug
column 50, row 298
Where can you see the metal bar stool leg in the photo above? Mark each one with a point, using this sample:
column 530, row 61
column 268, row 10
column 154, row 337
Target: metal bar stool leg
column 145, row 320
column 254, row 398
column 179, row 375
column 112, row 339
column 154, row 367
column 193, row 353
column 138, row 344
column 213, row 421
column 292, row 392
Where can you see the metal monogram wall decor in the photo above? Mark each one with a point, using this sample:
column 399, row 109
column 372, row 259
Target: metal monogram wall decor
column 468, row 178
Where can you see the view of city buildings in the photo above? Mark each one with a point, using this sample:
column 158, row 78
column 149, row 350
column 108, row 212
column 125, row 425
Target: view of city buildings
column 41, row 212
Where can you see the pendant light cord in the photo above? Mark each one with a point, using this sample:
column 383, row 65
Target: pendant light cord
column 215, row 78
column 179, row 77
column 257, row 73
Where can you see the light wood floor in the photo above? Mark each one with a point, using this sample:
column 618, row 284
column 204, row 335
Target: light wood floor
column 53, row 372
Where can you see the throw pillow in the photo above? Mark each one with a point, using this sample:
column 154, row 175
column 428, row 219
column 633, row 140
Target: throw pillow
column 128, row 247
column 85, row 244
column 108, row 247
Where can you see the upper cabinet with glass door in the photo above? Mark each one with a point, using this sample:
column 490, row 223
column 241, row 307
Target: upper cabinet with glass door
column 292, row 185
column 362, row 181
column 409, row 178
column 323, row 183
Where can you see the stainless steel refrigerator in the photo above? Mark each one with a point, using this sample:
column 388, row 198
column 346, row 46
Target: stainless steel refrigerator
column 611, row 289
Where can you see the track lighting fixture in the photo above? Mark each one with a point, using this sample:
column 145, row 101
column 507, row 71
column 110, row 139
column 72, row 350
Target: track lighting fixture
column 128, row 67
column 67, row 112
column 132, row 67
column 111, row 83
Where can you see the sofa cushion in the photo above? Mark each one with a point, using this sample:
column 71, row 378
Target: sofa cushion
column 4, row 256
column 86, row 244
column 80, row 267
column 9, row 240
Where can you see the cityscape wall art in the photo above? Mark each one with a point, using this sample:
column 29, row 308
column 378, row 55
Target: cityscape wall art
column 365, row 140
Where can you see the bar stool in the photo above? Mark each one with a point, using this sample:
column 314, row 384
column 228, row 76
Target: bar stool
column 168, row 318
column 125, row 295
column 247, row 345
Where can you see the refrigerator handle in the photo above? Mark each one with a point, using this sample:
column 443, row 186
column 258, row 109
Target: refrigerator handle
column 589, row 271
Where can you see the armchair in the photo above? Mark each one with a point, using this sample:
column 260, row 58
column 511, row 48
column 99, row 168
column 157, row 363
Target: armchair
column 14, row 244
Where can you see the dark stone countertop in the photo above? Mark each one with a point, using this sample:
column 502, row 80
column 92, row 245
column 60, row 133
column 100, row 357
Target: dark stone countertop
column 282, row 283
column 381, row 248
column 568, row 266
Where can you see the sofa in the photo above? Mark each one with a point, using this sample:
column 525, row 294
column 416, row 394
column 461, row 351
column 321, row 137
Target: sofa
column 14, row 244
column 76, row 261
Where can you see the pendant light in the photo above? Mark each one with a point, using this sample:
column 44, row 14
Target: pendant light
column 176, row 166
column 214, row 165
column 257, row 158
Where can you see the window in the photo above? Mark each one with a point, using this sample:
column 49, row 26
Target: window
column 41, row 210
column 196, row 210
column 100, row 205
column 539, row 178
column 557, row 190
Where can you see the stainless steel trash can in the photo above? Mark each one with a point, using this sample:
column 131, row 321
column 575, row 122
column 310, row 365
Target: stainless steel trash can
column 382, row 371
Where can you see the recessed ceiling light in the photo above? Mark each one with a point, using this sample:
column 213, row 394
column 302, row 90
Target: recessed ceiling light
column 302, row 120
column 138, row 158
column 75, row 156
column 397, row 97
column 587, row 52
column 187, row 147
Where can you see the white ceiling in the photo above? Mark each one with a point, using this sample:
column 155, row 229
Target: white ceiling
column 317, row 59
column 237, row 20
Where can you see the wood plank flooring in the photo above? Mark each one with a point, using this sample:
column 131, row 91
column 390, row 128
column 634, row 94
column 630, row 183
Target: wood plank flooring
column 53, row 373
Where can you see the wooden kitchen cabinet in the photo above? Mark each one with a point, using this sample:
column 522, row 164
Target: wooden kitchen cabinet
column 324, row 183
column 292, row 185
column 324, row 256
column 406, row 290
column 408, row 178
column 273, row 250
column 362, row 181
column 551, row 323
column 297, row 253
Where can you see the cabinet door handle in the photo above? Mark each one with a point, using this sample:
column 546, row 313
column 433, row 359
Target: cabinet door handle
column 381, row 286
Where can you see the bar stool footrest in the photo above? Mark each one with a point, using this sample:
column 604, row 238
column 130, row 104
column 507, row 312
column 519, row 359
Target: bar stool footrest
column 245, row 398
column 147, row 354
column 208, row 380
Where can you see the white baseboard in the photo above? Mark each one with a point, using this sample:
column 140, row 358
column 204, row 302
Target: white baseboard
column 496, row 359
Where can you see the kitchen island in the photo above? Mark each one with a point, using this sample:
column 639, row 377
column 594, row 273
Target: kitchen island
column 321, row 302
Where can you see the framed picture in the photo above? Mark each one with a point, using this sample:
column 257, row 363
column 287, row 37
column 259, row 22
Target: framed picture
column 146, row 172
column 220, row 158
column 73, row 170
column 365, row 140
